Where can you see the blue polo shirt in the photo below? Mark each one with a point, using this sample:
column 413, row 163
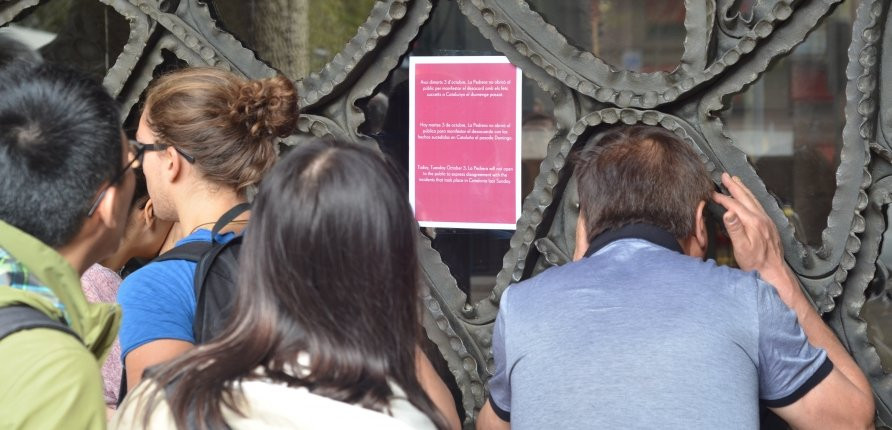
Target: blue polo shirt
column 639, row 335
column 158, row 300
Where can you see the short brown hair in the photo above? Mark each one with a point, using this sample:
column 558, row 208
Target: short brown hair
column 640, row 174
column 227, row 123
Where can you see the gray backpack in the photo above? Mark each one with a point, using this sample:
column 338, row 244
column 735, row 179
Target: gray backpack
column 16, row 318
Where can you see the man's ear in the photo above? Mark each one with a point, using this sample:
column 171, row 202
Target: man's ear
column 106, row 211
column 172, row 167
column 695, row 244
column 148, row 214
column 700, row 235
column 581, row 238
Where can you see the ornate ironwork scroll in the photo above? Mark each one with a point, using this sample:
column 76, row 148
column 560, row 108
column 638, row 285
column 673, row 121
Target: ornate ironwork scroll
column 725, row 51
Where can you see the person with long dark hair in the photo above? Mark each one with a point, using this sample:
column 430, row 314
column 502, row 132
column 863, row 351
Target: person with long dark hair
column 324, row 330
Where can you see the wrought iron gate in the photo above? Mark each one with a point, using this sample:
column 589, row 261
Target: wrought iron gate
column 727, row 48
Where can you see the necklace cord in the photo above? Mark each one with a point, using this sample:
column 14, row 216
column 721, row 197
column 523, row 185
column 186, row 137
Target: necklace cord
column 214, row 222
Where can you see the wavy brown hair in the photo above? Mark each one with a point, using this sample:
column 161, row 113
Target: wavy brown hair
column 328, row 268
column 228, row 124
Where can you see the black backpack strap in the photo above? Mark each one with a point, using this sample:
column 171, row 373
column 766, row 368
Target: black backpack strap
column 191, row 251
column 228, row 217
column 16, row 318
column 122, row 388
column 223, row 256
column 194, row 251
column 220, row 263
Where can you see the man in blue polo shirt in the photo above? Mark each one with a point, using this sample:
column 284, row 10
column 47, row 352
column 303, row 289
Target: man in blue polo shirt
column 640, row 332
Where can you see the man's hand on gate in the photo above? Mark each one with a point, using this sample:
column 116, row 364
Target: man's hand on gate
column 844, row 398
column 756, row 242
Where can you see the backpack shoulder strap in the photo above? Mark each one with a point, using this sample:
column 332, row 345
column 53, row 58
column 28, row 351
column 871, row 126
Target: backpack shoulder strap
column 228, row 217
column 191, row 251
column 17, row 318
column 194, row 251
column 214, row 286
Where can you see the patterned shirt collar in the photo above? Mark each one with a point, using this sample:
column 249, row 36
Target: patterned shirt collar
column 15, row 275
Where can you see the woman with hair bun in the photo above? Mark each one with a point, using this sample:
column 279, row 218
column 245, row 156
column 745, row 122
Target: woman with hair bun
column 323, row 335
column 207, row 135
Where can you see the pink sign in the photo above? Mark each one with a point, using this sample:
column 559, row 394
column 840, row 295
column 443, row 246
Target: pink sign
column 464, row 148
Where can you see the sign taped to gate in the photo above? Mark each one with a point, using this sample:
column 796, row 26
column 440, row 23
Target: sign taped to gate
column 464, row 142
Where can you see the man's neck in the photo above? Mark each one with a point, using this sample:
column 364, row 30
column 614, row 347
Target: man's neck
column 116, row 261
column 92, row 243
column 76, row 256
column 202, row 210
column 648, row 232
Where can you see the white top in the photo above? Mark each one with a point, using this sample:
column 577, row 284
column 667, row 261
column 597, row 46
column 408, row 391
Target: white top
column 270, row 405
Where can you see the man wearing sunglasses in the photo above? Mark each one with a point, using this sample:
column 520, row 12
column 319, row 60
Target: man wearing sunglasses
column 66, row 182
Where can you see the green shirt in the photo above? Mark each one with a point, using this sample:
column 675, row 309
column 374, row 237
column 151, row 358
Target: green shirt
column 50, row 379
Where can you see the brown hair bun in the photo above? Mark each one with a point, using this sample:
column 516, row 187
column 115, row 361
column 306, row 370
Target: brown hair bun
column 227, row 124
column 266, row 107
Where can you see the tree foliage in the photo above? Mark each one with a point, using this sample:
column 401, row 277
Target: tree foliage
column 332, row 24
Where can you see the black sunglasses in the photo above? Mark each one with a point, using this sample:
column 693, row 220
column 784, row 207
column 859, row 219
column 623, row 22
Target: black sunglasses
column 138, row 149
column 142, row 148
column 137, row 152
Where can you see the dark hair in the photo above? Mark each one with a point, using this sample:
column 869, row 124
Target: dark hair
column 12, row 51
column 228, row 124
column 60, row 139
column 640, row 174
column 329, row 268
